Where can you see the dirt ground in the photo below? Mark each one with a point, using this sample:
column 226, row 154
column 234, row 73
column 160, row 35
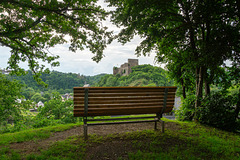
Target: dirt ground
column 36, row 146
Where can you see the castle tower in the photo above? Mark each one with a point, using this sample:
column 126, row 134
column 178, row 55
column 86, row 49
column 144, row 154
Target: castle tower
column 125, row 68
column 132, row 63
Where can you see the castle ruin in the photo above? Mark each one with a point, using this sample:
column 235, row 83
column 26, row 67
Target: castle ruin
column 125, row 68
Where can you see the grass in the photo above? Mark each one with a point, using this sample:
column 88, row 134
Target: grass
column 188, row 141
column 70, row 148
column 33, row 134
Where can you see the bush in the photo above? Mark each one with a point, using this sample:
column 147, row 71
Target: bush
column 187, row 109
column 217, row 110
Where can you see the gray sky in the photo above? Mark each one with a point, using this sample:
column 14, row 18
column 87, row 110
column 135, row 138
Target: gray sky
column 81, row 62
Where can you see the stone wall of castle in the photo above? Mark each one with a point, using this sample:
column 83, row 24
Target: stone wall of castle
column 126, row 68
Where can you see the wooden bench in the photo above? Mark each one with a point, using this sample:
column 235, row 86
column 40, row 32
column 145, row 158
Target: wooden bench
column 110, row 101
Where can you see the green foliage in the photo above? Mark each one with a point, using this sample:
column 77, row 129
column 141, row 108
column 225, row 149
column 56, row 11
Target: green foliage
column 187, row 109
column 27, row 92
column 10, row 105
column 57, row 81
column 57, row 109
column 39, row 122
column 218, row 110
column 30, row 28
column 37, row 97
column 142, row 75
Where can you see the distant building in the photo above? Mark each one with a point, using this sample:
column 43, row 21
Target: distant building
column 125, row 68
column 40, row 104
column 66, row 96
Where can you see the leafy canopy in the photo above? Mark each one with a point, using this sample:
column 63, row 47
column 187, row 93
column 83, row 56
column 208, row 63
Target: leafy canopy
column 31, row 27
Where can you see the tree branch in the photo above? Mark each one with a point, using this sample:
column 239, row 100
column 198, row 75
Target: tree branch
column 22, row 29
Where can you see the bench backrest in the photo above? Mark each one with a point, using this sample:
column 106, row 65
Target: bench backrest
column 107, row 101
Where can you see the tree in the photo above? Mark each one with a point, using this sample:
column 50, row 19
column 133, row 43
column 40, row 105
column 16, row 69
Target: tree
column 58, row 109
column 38, row 97
column 28, row 92
column 203, row 34
column 10, row 108
column 31, row 27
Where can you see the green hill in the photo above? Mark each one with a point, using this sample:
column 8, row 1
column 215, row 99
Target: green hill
column 61, row 82
column 142, row 75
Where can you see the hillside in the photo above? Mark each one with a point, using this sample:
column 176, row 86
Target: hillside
column 142, row 75
column 181, row 140
column 62, row 82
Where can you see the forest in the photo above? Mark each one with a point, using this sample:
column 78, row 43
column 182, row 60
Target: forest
column 61, row 82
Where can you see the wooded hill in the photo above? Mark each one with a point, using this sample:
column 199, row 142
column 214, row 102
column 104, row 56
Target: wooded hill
column 142, row 75
column 62, row 82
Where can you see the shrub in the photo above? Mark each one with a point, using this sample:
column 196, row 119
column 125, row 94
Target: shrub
column 187, row 109
column 217, row 110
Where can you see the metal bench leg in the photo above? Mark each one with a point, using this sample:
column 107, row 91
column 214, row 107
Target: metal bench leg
column 158, row 119
column 162, row 126
column 85, row 131
column 85, row 128
column 155, row 126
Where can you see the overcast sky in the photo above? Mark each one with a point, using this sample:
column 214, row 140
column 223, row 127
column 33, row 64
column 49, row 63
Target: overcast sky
column 81, row 62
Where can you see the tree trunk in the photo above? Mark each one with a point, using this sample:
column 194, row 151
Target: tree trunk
column 207, row 88
column 206, row 83
column 199, row 89
column 183, row 89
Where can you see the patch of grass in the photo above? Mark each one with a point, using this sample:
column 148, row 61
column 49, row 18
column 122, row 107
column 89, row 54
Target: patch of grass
column 7, row 154
column 218, row 142
column 33, row 134
column 96, row 139
column 119, row 118
column 71, row 148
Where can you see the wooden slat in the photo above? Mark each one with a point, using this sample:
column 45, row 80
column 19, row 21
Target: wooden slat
column 103, row 101
column 123, row 94
column 78, row 100
column 76, row 97
column 111, row 88
column 124, row 90
column 123, row 105
column 120, row 111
